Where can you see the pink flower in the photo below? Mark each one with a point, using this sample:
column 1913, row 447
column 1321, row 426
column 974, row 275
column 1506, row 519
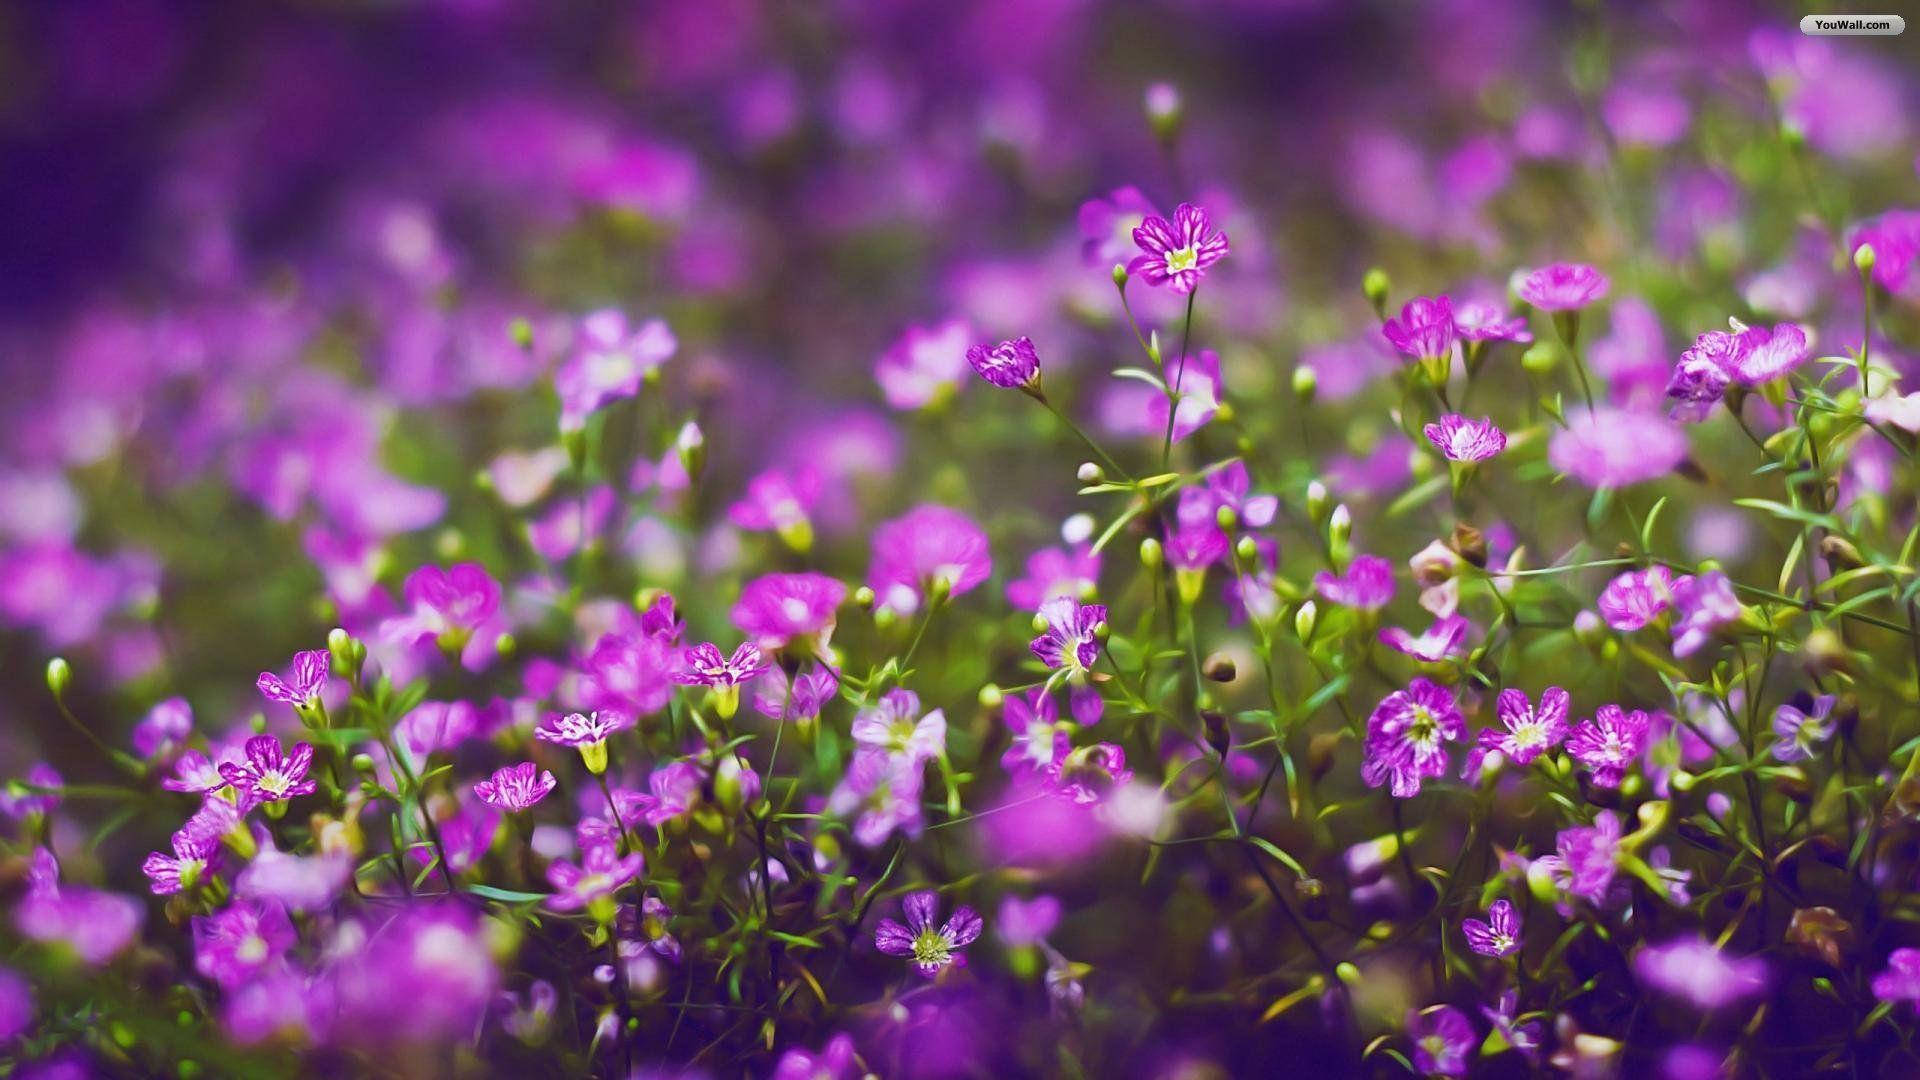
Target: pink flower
column 1441, row 641
column 776, row 608
column 1055, row 572
column 1636, row 598
column 583, row 729
column 672, row 789
column 1367, row 584
column 1089, row 774
column 516, row 787
column 1563, row 287
column 1901, row 980
column 446, row 606
column 1530, row 731
column 929, row 546
column 924, row 365
column 931, row 948
column 883, row 793
column 896, row 727
column 1486, row 322
column 1498, row 934
column 1407, row 735
column 1704, row 604
column 609, row 362
column 302, row 686
column 703, row 665
column 1696, row 969
column 1767, row 354
column 1012, row 365
column 781, row 502
column 600, row 874
column 1424, row 329
column 1462, row 439
column 630, row 672
column 1072, row 639
column 1177, row 252
column 268, row 775
column 1609, row 742
column 1613, row 447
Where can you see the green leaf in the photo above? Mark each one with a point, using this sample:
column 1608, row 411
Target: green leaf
column 505, row 896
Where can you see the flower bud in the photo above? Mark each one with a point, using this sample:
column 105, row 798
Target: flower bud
column 504, row 646
column 1164, row 109
column 1339, row 525
column 991, row 696
column 1246, row 549
column 362, row 763
column 1348, row 972
column 1304, row 618
column 691, row 447
column 1152, row 554
column 59, row 677
column 1120, row 275
column 1091, row 473
column 1864, row 258
column 1540, row 358
column 1316, row 499
column 1226, row 519
column 521, row 331
column 1306, row 384
column 1375, row 285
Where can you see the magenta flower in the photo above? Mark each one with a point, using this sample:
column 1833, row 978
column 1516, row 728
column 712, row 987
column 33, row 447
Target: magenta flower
column 1698, row 383
column 1498, row 934
column 927, row 547
column 1087, row 775
column 1012, row 365
column 802, row 698
column 1177, row 252
column 1460, row 438
column 600, row 874
column 883, row 794
column 609, row 362
column 267, row 775
column 1228, row 487
column 630, row 672
column 1767, row 354
column 1194, row 545
column 583, row 729
column 773, row 609
column 95, row 925
column 445, row 606
column 705, row 666
column 1563, row 287
column 1445, row 639
column 1367, row 584
column 1612, row 447
column 1801, row 732
column 1026, row 923
column 896, row 727
column 1901, row 980
column 1071, row 641
column 1702, row 604
column 1522, row 1037
column 1443, row 1040
column 164, row 728
column 196, row 851
column 1530, row 731
column 835, row 1061
column 932, row 948
column 515, row 787
column 1038, row 743
column 1586, row 858
column 672, row 789
column 1697, row 970
column 1636, row 598
column 1407, row 735
column 304, row 681
column 1055, row 572
column 780, row 502
column 18, row 803
column 1487, row 322
column 924, row 365
column 1106, row 225
column 642, row 932
column 240, row 940
column 1609, row 742
column 1424, row 329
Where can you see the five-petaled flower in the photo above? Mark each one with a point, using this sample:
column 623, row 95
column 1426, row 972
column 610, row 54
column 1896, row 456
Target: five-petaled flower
column 591, row 884
column 1529, row 731
column 1563, row 287
column 1462, row 438
column 704, row 665
column 1071, row 641
column 266, row 775
column 931, row 947
column 1407, row 735
column 1496, row 935
column 896, row 727
column 587, row 733
column 1177, row 252
column 1609, row 742
column 515, row 787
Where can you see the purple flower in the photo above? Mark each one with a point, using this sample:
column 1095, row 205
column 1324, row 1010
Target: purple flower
column 924, row 365
column 1367, row 584
column 235, row 943
column 196, row 850
column 642, row 933
column 1586, row 858
column 630, row 672
column 1766, row 354
column 1901, row 981
column 1636, row 598
column 192, row 771
column 163, row 729
column 1530, row 731
column 1026, row 923
column 304, row 681
column 587, row 733
column 608, row 363
column 1610, row 447
column 95, row 925
column 704, row 666
column 302, row 883
column 773, row 609
column 601, row 873
column 781, row 502
column 1444, row 639
column 1038, row 743
column 1703, row 604
column 1801, row 732
column 1087, row 775
column 1522, row 1037
column 1487, row 322
column 1198, row 383
column 1696, row 969
column 835, row 1061
column 884, row 792
column 1424, row 330
column 1192, row 546
column 672, row 789
column 515, row 787
column 1071, row 641
column 1106, row 225
column 17, row 802
column 1461, row 438
column 1698, row 383
column 1609, row 742
column 802, row 698
column 1228, row 487
column 1055, row 572
column 1407, row 735
column 932, row 948
column 1443, row 1038
column 1177, row 252
column 896, row 727
column 267, row 775
column 1012, row 365
column 1498, row 934
column 16, row 1005
column 927, row 547
column 445, row 606
column 1563, row 287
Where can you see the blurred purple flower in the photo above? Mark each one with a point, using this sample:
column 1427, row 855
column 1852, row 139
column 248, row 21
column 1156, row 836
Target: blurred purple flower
column 924, row 365
column 896, row 727
column 1610, row 447
column 1054, row 572
column 235, row 943
column 1702, row 603
column 1442, row 641
column 1424, row 329
column 1698, row 970
column 1563, row 287
column 1801, row 732
column 773, row 609
column 1636, row 598
column 600, row 873
column 609, row 361
column 1366, row 585
column 1443, row 1038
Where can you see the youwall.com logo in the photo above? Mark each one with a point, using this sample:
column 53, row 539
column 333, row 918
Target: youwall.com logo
column 1837, row 25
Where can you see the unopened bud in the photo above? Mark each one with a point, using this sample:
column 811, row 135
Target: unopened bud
column 522, row 332
column 1164, row 109
column 1304, row 619
column 1226, row 518
column 1864, row 258
column 863, row 597
column 1317, row 499
column 1091, row 473
column 1306, row 383
column 1375, row 285
column 991, row 696
column 1152, row 554
column 1120, row 275
column 1540, row 358
column 691, row 446
column 1340, row 524
column 362, row 763
column 504, row 645
column 1246, row 549
column 59, row 677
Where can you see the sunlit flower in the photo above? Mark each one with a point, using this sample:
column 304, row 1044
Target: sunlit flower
column 1461, row 438
column 1071, row 640
column 266, row 774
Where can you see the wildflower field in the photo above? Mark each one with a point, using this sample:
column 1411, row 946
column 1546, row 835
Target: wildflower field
column 1170, row 539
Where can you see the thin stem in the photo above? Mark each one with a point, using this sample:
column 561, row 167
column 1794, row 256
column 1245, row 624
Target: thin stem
column 1174, row 388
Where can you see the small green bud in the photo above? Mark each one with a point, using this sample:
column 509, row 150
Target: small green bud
column 362, row 763
column 1164, row 109
column 1306, row 383
column 59, row 677
column 1245, row 549
column 1540, row 358
column 1304, row 619
column 863, row 597
column 691, row 446
column 991, row 697
column 258, row 722
column 1039, row 623
column 1151, row 553
column 1375, row 285
column 1317, row 500
column 1091, row 473
column 1864, row 257
column 1120, row 275
column 1226, row 518
column 1340, row 524
column 504, row 645
column 1348, row 972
